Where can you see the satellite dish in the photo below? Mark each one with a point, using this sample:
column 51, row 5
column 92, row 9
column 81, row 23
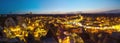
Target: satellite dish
column 10, row 22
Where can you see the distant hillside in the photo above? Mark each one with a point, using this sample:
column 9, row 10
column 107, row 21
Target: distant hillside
column 113, row 11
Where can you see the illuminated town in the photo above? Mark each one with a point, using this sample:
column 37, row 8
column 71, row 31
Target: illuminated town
column 69, row 28
column 59, row 21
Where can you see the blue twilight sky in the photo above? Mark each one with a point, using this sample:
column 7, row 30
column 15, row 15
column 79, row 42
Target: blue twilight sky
column 40, row 6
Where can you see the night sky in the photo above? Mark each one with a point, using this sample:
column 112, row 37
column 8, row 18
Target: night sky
column 40, row 6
